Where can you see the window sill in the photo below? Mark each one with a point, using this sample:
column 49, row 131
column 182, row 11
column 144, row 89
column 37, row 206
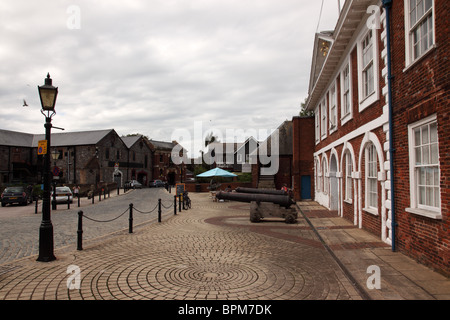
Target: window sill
column 413, row 63
column 349, row 201
column 426, row 213
column 372, row 211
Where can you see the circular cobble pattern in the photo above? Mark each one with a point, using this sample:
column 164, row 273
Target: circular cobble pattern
column 184, row 257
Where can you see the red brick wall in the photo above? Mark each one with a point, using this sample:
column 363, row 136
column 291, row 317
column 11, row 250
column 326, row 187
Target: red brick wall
column 303, row 149
column 419, row 91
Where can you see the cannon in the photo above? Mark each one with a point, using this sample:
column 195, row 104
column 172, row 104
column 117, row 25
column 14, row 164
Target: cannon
column 261, row 191
column 264, row 205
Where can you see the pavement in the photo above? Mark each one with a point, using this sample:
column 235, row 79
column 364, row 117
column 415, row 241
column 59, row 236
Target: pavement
column 213, row 252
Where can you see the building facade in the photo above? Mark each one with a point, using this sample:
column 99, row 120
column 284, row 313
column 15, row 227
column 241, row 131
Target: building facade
column 348, row 90
column 349, row 93
column 420, row 99
column 87, row 158
column 164, row 167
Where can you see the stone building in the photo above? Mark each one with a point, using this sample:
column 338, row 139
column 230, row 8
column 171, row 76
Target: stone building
column 139, row 160
column 88, row 158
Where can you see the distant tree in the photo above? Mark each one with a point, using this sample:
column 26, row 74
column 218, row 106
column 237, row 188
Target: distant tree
column 137, row 134
column 211, row 138
column 303, row 112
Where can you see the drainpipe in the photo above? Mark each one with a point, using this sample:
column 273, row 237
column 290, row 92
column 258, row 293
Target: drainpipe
column 387, row 6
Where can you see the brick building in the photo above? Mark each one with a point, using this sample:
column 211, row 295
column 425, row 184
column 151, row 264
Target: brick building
column 302, row 158
column 349, row 92
column 278, row 161
column 421, row 114
column 163, row 167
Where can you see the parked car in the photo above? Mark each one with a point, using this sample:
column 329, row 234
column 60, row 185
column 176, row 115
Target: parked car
column 157, row 184
column 61, row 195
column 16, row 195
column 133, row 184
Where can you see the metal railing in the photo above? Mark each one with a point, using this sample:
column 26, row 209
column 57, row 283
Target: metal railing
column 131, row 209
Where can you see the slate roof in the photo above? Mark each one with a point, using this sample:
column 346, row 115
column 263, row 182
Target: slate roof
column 15, row 139
column 20, row 139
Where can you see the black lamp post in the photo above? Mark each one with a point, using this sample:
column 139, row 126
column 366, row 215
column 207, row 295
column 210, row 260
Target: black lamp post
column 47, row 94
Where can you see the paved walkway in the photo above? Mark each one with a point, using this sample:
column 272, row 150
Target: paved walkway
column 213, row 251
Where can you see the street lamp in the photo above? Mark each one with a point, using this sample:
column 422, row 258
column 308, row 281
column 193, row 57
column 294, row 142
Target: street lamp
column 47, row 94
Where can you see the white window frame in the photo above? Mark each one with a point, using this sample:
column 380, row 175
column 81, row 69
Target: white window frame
column 332, row 108
column 325, row 176
column 371, row 174
column 346, row 115
column 367, row 100
column 410, row 27
column 348, row 177
column 417, row 208
column 317, row 123
column 323, row 118
column 318, row 176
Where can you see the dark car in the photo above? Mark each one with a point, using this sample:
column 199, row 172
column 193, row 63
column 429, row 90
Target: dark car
column 157, row 184
column 18, row 195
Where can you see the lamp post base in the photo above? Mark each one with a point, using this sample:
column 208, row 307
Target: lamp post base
column 46, row 242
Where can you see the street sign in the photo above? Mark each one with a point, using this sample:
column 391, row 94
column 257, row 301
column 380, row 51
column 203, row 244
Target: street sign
column 42, row 147
column 55, row 171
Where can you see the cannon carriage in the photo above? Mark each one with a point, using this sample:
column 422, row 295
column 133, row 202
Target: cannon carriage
column 264, row 203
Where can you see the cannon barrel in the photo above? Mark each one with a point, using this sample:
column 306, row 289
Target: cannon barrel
column 260, row 191
column 282, row 200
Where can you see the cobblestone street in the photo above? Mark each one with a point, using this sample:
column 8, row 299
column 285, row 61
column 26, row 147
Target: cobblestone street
column 213, row 251
column 19, row 226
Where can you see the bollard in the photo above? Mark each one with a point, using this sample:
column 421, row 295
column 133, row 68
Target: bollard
column 78, row 200
column 159, row 210
column 99, row 196
column 68, row 202
column 80, row 231
column 179, row 203
column 36, row 205
column 93, row 197
column 130, row 219
column 118, row 190
column 174, row 205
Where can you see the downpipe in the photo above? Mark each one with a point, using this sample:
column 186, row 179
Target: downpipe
column 387, row 4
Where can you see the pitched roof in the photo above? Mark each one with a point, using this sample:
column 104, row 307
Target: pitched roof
column 73, row 138
column 20, row 139
column 15, row 139
column 130, row 140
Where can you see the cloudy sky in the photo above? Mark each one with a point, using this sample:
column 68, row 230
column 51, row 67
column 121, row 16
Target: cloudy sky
column 154, row 66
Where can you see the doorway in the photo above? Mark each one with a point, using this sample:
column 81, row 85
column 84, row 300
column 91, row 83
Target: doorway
column 305, row 188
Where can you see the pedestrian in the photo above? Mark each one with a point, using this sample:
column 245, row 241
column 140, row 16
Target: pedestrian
column 76, row 191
